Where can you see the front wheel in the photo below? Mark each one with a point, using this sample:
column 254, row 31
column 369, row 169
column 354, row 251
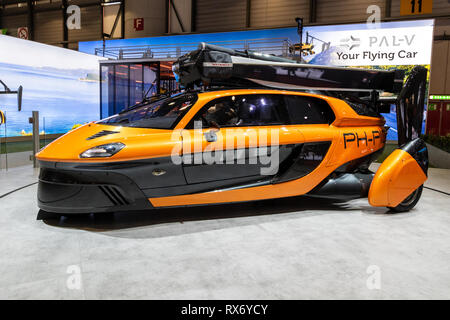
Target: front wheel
column 409, row 202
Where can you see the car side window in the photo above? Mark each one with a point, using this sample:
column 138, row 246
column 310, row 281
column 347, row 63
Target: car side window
column 242, row 111
column 308, row 110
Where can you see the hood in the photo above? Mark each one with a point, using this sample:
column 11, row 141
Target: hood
column 139, row 143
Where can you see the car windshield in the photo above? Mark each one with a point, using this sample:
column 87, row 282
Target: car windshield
column 160, row 114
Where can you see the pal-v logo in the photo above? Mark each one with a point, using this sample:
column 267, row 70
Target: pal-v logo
column 391, row 41
column 351, row 42
column 379, row 41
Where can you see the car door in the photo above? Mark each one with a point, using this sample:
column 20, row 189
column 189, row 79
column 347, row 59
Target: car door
column 311, row 116
column 237, row 139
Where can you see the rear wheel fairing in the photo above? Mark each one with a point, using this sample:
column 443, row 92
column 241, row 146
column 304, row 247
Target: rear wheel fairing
column 399, row 175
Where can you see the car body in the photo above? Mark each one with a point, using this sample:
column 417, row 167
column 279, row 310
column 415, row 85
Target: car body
column 324, row 148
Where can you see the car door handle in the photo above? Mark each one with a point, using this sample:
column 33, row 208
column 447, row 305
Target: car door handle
column 210, row 136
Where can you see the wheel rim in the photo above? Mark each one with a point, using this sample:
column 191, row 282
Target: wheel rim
column 410, row 198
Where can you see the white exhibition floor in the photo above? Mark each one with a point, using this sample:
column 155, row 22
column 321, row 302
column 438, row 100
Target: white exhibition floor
column 296, row 248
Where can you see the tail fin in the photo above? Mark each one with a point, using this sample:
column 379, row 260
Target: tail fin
column 410, row 106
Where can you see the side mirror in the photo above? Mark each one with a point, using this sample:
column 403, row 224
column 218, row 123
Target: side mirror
column 19, row 98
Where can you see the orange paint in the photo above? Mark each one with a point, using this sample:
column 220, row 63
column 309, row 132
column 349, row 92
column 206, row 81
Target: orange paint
column 397, row 177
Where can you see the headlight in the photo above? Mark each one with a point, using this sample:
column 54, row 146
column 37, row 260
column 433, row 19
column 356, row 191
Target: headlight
column 103, row 151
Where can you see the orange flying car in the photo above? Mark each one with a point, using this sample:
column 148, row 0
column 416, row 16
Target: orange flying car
column 261, row 127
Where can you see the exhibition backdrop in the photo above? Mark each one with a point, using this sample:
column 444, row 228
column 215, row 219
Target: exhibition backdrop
column 350, row 45
column 64, row 84
column 391, row 45
column 61, row 84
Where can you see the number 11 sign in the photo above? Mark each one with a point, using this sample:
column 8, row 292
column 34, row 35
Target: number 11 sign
column 413, row 7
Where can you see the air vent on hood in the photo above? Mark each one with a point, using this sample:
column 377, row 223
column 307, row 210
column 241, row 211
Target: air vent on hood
column 101, row 134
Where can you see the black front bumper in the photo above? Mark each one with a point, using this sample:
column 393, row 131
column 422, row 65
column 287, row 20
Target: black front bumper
column 70, row 188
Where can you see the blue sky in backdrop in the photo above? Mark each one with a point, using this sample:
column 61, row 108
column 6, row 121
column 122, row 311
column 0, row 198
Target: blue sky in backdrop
column 59, row 83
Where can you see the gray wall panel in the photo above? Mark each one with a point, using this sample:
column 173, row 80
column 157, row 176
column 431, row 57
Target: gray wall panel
column 184, row 8
column 274, row 13
column 220, row 15
column 13, row 22
column 440, row 68
column 153, row 12
column 91, row 24
column 48, row 27
column 329, row 11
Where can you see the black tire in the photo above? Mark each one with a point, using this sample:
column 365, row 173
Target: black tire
column 409, row 202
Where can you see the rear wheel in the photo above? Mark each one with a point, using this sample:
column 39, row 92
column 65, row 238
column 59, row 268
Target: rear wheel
column 409, row 202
